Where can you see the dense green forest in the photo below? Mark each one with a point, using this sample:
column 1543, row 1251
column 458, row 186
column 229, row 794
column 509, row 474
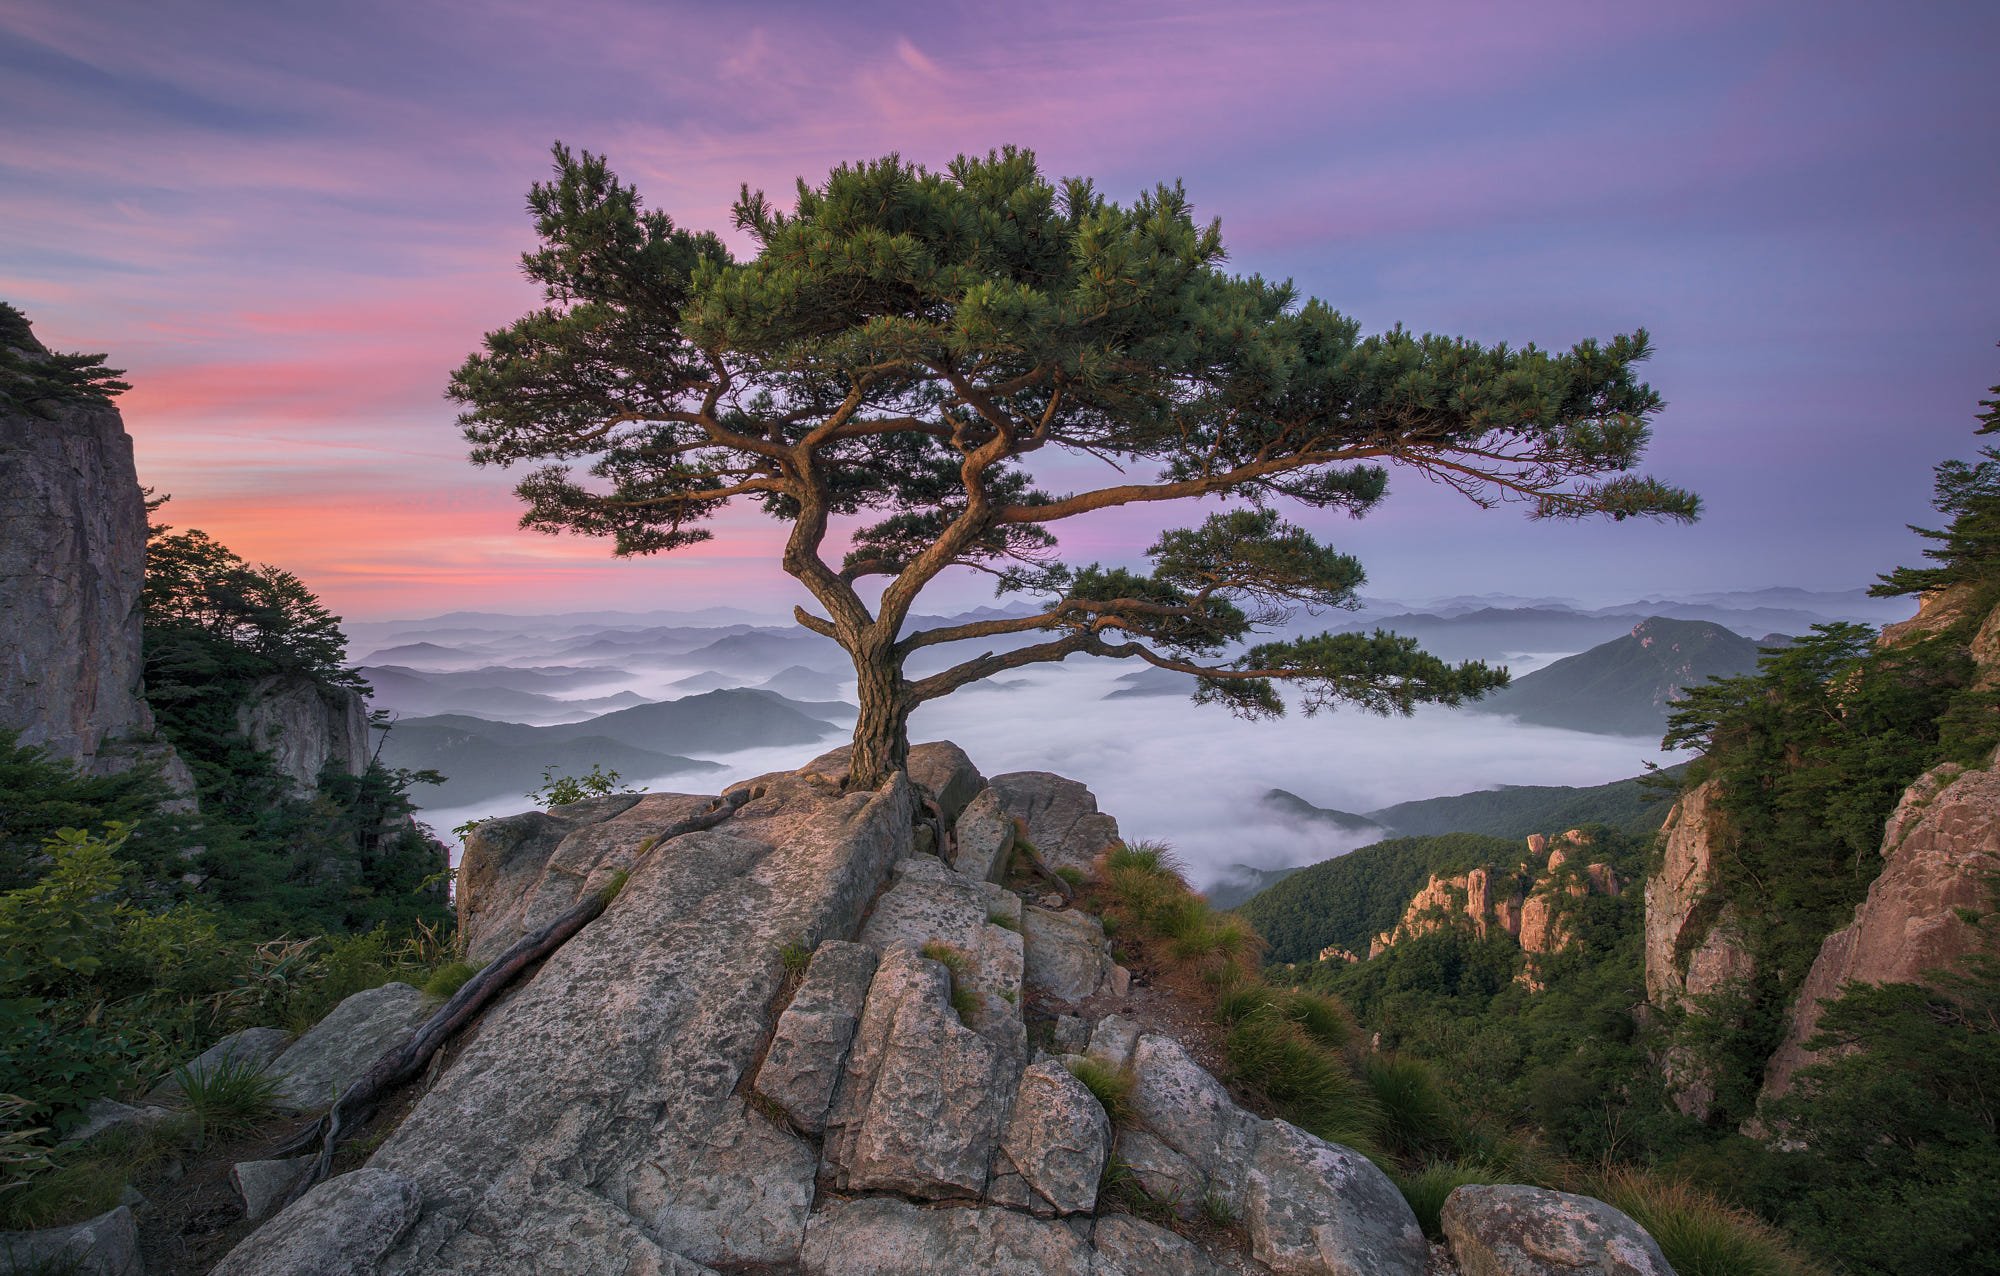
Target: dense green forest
column 1636, row 805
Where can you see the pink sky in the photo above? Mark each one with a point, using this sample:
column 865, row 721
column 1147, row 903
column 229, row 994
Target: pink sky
column 289, row 227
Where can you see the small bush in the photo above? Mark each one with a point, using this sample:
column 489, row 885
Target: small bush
column 1112, row 1087
column 1417, row 1118
column 1427, row 1189
column 1326, row 1019
column 1156, row 858
column 1307, row 1083
column 229, row 1098
column 448, row 979
column 1700, row 1235
column 1074, row 876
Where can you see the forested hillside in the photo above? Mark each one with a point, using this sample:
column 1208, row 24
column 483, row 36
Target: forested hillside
column 1348, row 900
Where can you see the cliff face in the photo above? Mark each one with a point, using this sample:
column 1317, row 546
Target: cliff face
column 1941, row 850
column 1693, row 947
column 304, row 725
column 72, row 554
column 1524, row 902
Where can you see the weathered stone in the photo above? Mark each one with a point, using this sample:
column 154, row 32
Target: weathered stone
column 1316, row 1208
column 1141, row 1249
column 107, row 1118
column 878, row 1236
column 253, row 1048
column 305, row 726
column 930, row 904
column 72, row 553
column 1064, row 824
column 809, row 1047
column 1691, row 951
column 938, row 768
column 1162, row 1173
column 741, row 1197
column 262, row 1184
column 1189, row 1110
column 1057, row 1137
column 343, row 1227
column 313, row 1071
column 602, row 1087
column 1942, row 850
column 1113, row 1040
column 1069, row 1035
column 539, row 885
column 107, row 1245
column 1531, row 1231
column 1065, row 952
column 921, row 1105
column 985, row 837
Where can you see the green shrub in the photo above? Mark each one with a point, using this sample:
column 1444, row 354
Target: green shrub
column 1111, row 1086
column 1417, row 1118
column 1427, row 1189
column 228, row 1099
column 1700, row 1235
column 1307, row 1083
column 448, row 979
column 1325, row 1018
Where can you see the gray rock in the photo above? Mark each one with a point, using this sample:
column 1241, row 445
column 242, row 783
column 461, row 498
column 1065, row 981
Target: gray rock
column 985, row 837
column 938, row 768
column 1162, row 1173
column 931, row 904
column 1069, row 1035
column 1141, row 1249
column 809, row 1047
column 339, row 1048
column 72, row 553
column 247, row 1048
column 107, row 1118
column 522, row 872
column 343, row 1227
column 305, row 726
column 1315, row 1207
column 260, row 1185
column 593, row 1098
column 1531, row 1231
column 920, row 1108
column 1113, row 1040
column 1067, row 829
column 1057, row 1138
column 1065, row 953
column 107, row 1245
column 1188, row 1110
column 879, row 1236
column 741, row 1197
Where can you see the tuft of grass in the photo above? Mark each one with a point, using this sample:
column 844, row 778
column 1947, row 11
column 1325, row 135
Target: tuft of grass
column 1699, row 1234
column 794, row 958
column 1112, row 1087
column 1149, row 857
column 1326, row 1019
column 1307, row 1083
column 964, row 1003
column 1426, row 1189
column 448, row 979
column 1003, row 920
column 1242, row 999
column 228, row 1099
column 1216, row 1209
column 66, row 1192
column 1074, row 876
column 1417, row 1118
column 950, row 958
column 613, row 885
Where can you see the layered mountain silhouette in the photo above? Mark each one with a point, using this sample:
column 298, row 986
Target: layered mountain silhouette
column 1627, row 686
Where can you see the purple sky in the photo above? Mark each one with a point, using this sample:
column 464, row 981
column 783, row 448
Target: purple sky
column 289, row 223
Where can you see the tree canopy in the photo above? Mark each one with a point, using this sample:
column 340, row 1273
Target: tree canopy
column 904, row 343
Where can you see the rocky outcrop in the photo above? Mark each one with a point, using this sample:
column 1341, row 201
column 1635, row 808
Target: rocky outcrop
column 1693, row 945
column 72, row 556
column 670, row 1092
column 1524, row 901
column 107, row 1245
column 1060, row 816
column 305, row 726
column 1531, row 1231
column 1941, row 851
column 313, row 1070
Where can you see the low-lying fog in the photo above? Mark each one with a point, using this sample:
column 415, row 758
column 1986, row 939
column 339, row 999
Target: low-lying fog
column 1173, row 771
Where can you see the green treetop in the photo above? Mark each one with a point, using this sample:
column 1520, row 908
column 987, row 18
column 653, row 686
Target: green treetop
column 906, row 344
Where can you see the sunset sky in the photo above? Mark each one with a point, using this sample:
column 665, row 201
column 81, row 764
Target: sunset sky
column 290, row 222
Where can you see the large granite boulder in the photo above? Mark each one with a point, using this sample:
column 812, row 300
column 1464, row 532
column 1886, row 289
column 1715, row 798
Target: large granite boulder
column 343, row 1227
column 313, row 1070
column 809, row 1047
column 107, row 1245
column 1530, row 1231
column 506, row 858
column 594, row 1123
column 1316, row 1208
column 880, row 1236
column 1056, row 1142
column 1062, row 819
column 938, row 768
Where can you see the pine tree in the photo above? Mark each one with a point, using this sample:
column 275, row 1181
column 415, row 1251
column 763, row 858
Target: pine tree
column 904, row 343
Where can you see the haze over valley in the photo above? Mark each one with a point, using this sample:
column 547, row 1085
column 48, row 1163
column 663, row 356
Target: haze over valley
column 694, row 701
